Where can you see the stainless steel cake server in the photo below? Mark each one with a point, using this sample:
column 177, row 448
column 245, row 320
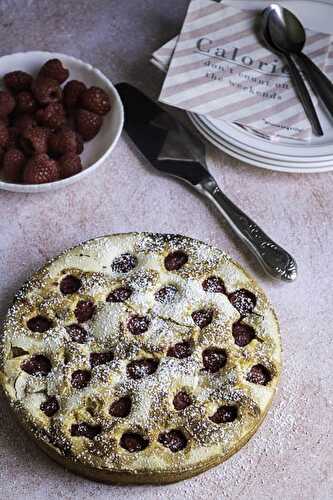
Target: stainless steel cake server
column 173, row 150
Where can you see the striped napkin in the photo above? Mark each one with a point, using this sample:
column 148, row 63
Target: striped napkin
column 217, row 67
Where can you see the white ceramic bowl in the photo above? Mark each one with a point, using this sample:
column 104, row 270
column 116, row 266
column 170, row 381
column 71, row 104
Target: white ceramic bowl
column 95, row 151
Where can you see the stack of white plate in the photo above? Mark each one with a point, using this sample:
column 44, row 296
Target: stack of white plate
column 288, row 155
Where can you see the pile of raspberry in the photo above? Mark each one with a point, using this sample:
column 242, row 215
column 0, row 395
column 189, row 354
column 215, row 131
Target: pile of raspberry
column 43, row 126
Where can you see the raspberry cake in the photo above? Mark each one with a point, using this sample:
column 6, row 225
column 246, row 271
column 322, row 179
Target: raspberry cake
column 140, row 357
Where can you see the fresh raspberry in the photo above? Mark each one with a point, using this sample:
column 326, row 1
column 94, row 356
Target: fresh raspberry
column 55, row 70
column 65, row 141
column 17, row 81
column 4, row 134
column 13, row 164
column 53, row 116
column 14, row 136
column 72, row 93
column 69, row 164
column 95, row 100
column 88, row 124
column 24, row 121
column 25, row 102
column 46, row 90
column 40, row 169
column 5, row 120
column 34, row 140
column 7, row 103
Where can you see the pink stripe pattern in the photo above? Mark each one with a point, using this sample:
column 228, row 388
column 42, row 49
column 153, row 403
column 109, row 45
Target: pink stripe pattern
column 217, row 67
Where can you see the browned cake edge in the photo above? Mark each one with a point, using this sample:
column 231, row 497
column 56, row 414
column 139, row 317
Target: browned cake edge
column 127, row 477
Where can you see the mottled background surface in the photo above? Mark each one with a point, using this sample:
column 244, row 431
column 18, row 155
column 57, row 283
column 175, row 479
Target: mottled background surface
column 291, row 456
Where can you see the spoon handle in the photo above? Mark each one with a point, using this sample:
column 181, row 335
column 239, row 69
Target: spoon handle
column 304, row 95
column 318, row 80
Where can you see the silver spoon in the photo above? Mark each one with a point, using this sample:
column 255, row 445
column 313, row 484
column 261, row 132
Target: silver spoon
column 273, row 35
column 288, row 35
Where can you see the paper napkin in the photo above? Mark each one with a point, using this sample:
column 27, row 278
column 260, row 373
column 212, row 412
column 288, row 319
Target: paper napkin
column 218, row 67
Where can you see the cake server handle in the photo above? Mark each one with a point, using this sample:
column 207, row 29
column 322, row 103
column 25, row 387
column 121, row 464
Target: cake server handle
column 276, row 261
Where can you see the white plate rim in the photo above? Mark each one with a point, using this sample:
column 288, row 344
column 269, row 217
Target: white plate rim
column 261, row 158
column 260, row 164
column 234, row 134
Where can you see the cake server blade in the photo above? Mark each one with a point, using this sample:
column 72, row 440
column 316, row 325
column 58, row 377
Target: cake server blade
column 162, row 139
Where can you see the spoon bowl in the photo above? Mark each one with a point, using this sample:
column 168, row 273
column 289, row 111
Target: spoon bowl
column 286, row 31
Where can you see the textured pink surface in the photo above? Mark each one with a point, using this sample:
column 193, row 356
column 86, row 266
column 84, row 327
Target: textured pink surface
column 291, row 455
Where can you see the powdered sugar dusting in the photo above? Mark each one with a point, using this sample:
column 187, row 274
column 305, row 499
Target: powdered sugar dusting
column 140, row 365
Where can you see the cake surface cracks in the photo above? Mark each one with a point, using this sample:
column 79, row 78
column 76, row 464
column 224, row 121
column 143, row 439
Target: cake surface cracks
column 142, row 353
